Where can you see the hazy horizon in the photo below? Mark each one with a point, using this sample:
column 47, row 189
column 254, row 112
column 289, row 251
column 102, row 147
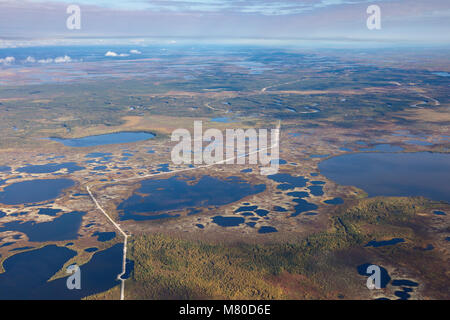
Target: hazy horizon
column 402, row 21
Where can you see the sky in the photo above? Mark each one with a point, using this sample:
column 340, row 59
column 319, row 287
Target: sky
column 412, row 21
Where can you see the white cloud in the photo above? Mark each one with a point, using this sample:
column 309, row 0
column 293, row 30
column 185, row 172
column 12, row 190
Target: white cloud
column 7, row 60
column 45, row 61
column 134, row 51
column 111, row 54
column 114, row 54
column 63, row 59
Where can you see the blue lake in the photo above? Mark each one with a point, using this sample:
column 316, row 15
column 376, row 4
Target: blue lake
column 176, row 194
column 316, row 190
column 393, row 174
column 62, row 228
column 26, row 274
column 303, row 206
column 267, row 229
column 377, row 244
column 228, row 221
column 334, row 201
column 288, row 181
column 104, row 236
column 49, row 211
column 34, row 191
column 51, row 167
column 105, row 139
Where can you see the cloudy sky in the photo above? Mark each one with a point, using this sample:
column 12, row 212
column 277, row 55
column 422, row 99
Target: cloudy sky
column 402, row 20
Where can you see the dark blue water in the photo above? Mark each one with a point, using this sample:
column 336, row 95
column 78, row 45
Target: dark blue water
column 287, row 181
column 247, row 214
column 127, row 154
column 407, row 288
column 140, row 217
column 404, row 283
column 105, row 139
column 228, row 221
column 298, row 194
column 316, row 190
column 51, row 167
column 267, row 229
column 62, row 228
column 176, row 194
column 439, row 213
column 26, row 274
column 334, row 201
column 104, row 236
column 245, row 208
column 7, row 244
column 164, row 167
column 393, row 174
column 303, row 206
column 5, row 169
column 403, row 295
column 261, row 212
column 377, row 244
column 100, row 168
column 49, row 212
column 34, row 191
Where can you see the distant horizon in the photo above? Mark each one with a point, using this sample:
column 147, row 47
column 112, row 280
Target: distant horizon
column 287, row 42
column 406, row 21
